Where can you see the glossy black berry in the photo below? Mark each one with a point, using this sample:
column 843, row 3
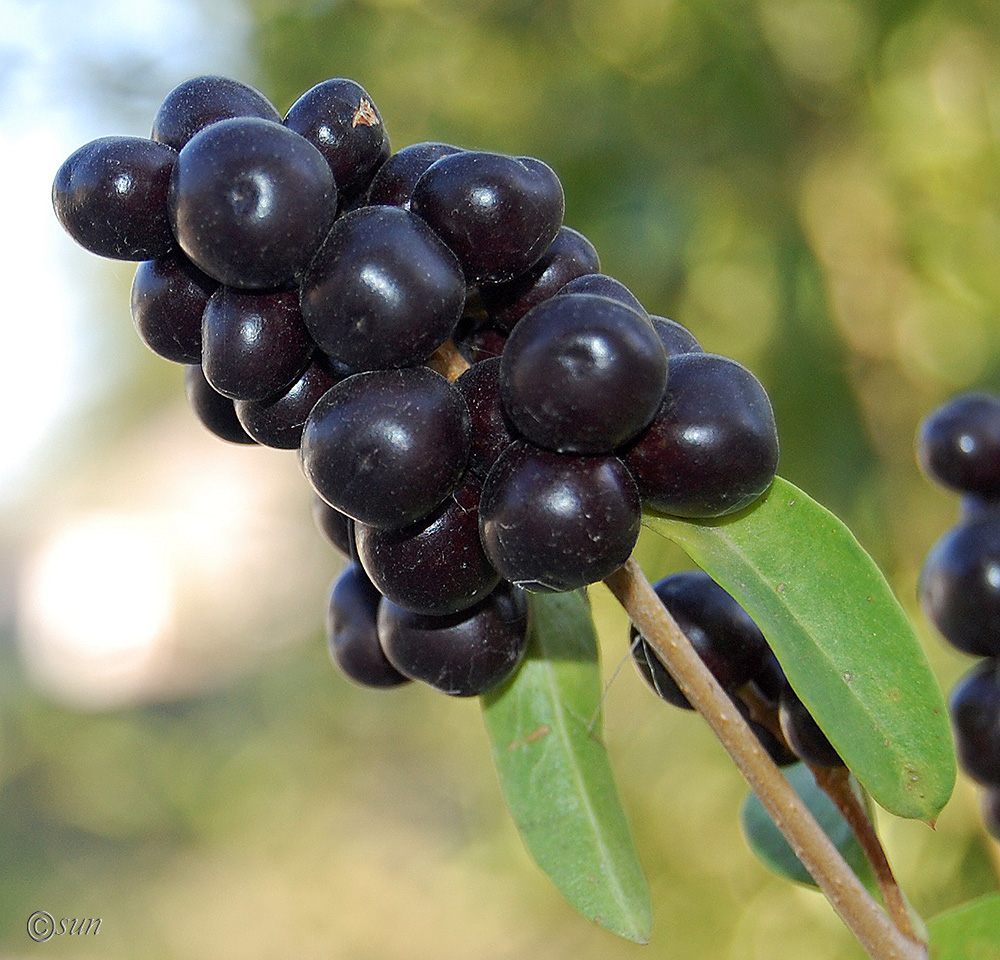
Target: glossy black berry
column 215, row 411
column 974, row 706
column 169, row 296
column 958, row 445
column 803, row 734
column 251, row 201
column 601, row 285
column 196, row 103
column 720, row 630
column 437, row 565
column 582, row 374
column 111, row 197
column 712, row 448
column 254, row 345
column 463, row 654
column 386, row 447
column 960, row 586
column 278, row 421
column 554, row 522
column 341, row 120
column 492, row 431
column 352, row 631
column 383, row 291
column 569, row 256
column 497, row 213
column 394, row 182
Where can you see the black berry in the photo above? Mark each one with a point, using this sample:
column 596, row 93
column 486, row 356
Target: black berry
column 215, row 411
column 974, row 705
column 958, row 445
column 394, row 182
column 803, row 734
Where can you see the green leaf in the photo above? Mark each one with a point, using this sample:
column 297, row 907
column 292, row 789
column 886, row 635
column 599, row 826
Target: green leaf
column 845, row 643
column 968, row 932
column 545, row 731
column 768, row 843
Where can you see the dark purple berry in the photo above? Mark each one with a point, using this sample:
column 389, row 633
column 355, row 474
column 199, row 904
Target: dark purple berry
column 960, row 586
column 570, row 255
column 254, row 345
column 675, row 337
column 111, row 197
column 720, row 630
column 601, row 285
column 712, row 448
column 169, row 295
column 582, row 374
column 463, row 654
column 337, row 527
column 196, row 103
column 383, row 291
column 251, row 201
column 497, row 213
column 974, row 705
column 396, row 178
column 352, row 631
column 279, row 420
column 553, row 522
column 215, row 411
column 386, row 447
column 803, row 734
column 492, row 431
column 435, row 566
column 958, row 445
column 339, row 118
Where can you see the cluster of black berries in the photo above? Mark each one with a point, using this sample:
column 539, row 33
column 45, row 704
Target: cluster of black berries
column 478, row 409
column 733, row 648
column 958, row 446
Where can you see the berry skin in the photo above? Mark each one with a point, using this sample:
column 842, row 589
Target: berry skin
column 352, row 631
column 169, row 296
column 552, row 522
column 960, row 586
column 435, row 566
column 974, row 706
column 958, row 445
column 464, row 654
column 339, row 118
column 215, row 411
column 492, row 431
column 383, row 291
column 722, row 633
column 712, row 448
column 278, row 421
column 196, row 103
column 394, row 182
column 582, row 374
column 497, row 213
column 601, row 285
column 110, row 196
column 675, row 337
column 336, row 527
column 569, row 256
column 387, row 446
column 254, row 345
column 803, row 734
column 250, row 202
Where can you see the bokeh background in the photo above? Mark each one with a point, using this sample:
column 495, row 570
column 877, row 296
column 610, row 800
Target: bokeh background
column 812, row 186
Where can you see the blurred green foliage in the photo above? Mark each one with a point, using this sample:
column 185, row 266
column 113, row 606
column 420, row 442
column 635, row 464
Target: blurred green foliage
column 813, row 187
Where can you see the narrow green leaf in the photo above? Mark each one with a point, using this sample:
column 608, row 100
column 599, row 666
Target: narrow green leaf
column 845, row 643
column 968, row 932
column 545, row 731
column 770, row 846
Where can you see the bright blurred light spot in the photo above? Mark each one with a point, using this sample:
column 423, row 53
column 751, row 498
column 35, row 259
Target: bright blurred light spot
column 97, row 600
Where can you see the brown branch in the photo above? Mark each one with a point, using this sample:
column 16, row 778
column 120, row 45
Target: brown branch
column 848, row 896
column 447, row 361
